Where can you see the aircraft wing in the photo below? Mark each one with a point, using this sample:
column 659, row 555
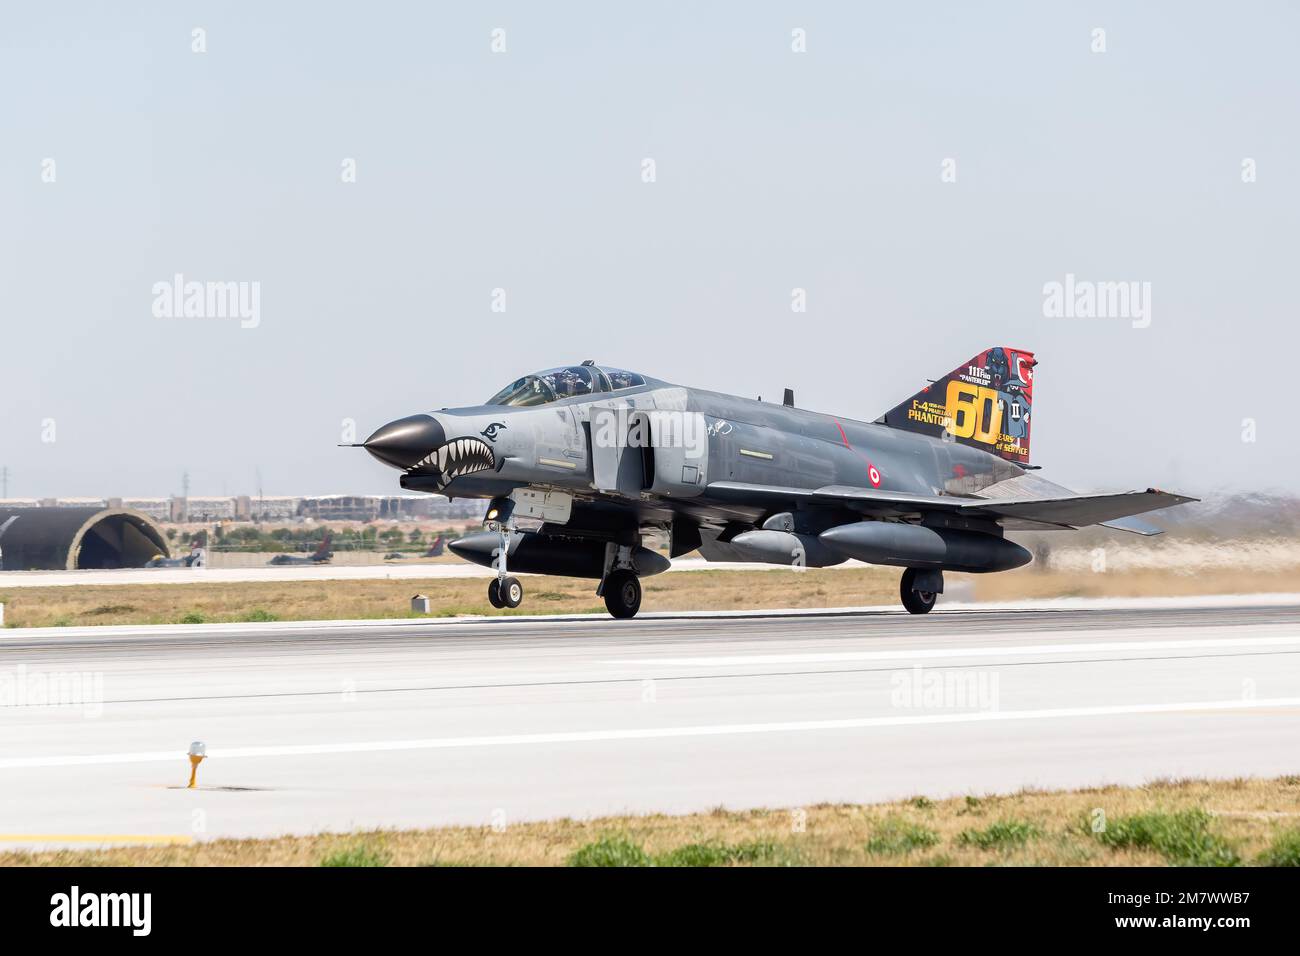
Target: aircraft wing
column 1080, row 510
column 1072, row 510
column 1059, row 510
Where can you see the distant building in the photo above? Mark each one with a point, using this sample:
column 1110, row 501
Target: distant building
column 340, row 508
column 210, row 509
column 275, row 508
column 160, row 509
column 387, row 507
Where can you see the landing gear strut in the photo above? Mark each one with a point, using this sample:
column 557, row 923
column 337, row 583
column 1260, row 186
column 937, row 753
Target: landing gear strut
column 622, row 593
column 920, row 588
column 504, row 590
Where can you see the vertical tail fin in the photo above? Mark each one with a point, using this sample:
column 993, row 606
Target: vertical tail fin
column 985, row 403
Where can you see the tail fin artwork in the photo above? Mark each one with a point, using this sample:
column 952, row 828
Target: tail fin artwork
column 985, row 403
column 323, row 549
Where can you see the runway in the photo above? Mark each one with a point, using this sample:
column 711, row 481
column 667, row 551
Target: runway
column 412, row 724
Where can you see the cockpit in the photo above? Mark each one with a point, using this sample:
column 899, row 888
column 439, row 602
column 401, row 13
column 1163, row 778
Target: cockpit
column 571, row 381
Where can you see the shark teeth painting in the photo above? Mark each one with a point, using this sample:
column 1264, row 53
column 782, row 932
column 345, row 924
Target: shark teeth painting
column 456, row 459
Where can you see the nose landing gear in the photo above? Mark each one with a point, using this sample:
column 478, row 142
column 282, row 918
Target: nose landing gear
column 504, row 590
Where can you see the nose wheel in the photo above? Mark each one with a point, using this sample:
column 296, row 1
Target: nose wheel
column 622, row 593
column 505, row 592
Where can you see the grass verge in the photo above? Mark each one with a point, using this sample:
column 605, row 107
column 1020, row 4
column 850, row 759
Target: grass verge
column 1183, row 838
column 1189, row 822
column 708, row 590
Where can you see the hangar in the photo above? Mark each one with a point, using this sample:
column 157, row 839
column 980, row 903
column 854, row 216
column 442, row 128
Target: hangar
column 71, row 539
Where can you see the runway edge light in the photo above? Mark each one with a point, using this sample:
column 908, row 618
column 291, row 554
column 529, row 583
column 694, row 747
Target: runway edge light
column 198, row 750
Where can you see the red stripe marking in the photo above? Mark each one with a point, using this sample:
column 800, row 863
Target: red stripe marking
column 870, row 467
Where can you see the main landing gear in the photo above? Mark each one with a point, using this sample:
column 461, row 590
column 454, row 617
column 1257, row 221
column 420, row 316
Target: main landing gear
column 620, row 586
column 920, row 588
column 622, row 593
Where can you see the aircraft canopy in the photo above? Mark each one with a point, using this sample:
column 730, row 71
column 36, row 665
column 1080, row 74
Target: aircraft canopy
column 570, row 381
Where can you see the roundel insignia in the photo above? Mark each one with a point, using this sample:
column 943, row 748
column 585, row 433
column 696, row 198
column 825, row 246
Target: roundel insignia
column 873, row 473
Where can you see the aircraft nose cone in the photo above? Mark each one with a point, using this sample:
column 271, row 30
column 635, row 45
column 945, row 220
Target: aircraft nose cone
column 404, row 442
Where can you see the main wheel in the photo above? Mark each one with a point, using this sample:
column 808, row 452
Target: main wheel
column 511, row 592
column 916, row 602
column 623, row 593
column 494, row 593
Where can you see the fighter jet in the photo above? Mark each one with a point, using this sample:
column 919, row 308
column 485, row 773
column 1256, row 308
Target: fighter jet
column 587, row 467
column 321, row 555
column 197, row 558
column 435, row 550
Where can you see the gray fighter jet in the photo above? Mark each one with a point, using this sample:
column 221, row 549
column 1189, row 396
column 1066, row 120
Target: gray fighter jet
column 321, row 555
column 197, row 558
column 589, row 468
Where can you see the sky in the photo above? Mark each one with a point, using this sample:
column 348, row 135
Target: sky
column 646, row 186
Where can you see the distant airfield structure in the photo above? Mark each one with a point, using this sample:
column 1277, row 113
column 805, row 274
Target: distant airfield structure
column 77, row 538
column 180, row 509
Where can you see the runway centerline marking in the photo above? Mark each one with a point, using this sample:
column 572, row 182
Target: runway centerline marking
column 648, row 733
column 930, row 653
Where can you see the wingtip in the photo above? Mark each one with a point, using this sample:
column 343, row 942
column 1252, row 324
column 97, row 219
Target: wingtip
column 1182, row 499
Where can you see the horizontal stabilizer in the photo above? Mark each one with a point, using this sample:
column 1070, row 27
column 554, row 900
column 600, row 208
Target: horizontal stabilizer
column 1135, row 525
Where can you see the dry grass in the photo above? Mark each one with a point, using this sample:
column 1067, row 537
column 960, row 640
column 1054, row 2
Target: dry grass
column 1164, row 823
column 1029, row 582
column 355, row 600
column 679, row 591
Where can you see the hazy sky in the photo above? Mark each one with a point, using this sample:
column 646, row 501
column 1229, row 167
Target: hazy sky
column 523, row 170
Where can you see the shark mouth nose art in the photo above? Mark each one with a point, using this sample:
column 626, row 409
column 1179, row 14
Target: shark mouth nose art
column 456, row 459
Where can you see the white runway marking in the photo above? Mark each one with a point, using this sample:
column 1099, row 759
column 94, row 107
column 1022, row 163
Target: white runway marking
column 840, row 657
column 650, row 733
